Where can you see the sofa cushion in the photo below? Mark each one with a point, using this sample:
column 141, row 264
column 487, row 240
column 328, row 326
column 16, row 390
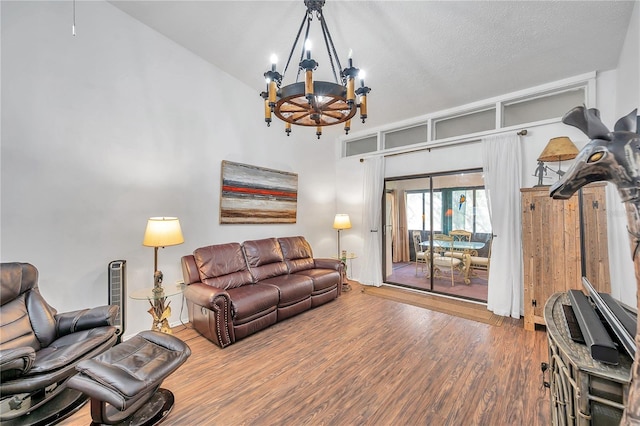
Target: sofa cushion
column 252, row 301
column 297, row 253
column 222, row 266
column 479, row 261
column 323, row 279
column 264, row 258
column 292, row 288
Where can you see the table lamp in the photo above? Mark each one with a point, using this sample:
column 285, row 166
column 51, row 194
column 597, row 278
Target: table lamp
column 161, row 232
column 558, row 149
column 341, row 222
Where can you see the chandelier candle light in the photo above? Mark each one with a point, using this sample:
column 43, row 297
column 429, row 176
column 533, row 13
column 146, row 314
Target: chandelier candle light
column 314, row 103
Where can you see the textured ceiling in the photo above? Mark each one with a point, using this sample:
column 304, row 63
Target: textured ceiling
column 420, row 56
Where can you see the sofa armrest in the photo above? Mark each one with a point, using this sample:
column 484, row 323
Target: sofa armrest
column 16, row 362
column 207, row 296
column 335, row 264
column 326, row 263
column 211, row 313
column 85, row 319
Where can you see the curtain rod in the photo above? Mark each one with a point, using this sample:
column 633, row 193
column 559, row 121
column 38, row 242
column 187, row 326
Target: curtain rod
column 522, row 132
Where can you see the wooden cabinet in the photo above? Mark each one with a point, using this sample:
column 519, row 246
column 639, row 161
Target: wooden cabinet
column 551, row 245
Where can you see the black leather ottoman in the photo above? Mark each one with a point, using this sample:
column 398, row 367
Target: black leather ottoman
column 124, row 382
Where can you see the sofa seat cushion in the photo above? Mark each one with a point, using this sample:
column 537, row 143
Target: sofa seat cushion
column 252, row 301
column 323, row 279
column 456, row 254
column 292, row 288
column 479, row 261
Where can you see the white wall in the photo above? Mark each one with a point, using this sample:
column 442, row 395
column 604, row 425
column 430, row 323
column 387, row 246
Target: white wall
column 628, row 90
column 102, row 130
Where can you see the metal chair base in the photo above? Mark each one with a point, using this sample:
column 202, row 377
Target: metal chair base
column 152, row 412
column 56, row 409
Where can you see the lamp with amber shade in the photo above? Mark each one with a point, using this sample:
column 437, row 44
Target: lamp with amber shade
column 558, row 149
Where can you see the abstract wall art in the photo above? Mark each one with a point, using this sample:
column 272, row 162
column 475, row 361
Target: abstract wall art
column 252, row 194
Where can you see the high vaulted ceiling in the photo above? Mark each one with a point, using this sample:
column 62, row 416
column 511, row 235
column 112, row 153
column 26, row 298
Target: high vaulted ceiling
column 420, row 56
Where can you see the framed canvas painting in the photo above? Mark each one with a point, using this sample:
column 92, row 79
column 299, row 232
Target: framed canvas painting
column 252, row 194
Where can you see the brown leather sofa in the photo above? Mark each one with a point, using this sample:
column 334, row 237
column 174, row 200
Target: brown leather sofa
column 235, row 290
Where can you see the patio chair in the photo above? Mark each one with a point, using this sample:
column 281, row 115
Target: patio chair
column 446, row 263
column 420, row 252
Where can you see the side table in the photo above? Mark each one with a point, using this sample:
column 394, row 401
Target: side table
column 160, row 309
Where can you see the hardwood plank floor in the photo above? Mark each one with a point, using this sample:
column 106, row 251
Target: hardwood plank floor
column 363, row 360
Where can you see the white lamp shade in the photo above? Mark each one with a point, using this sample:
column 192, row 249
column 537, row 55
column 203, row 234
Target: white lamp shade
column 341, row 221
column 162, row 232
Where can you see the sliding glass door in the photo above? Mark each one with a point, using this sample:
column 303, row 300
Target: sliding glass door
column 444, row 246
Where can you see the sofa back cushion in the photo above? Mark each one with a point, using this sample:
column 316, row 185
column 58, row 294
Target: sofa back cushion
column 264, row 258
column 297, row 253
column 222, row 266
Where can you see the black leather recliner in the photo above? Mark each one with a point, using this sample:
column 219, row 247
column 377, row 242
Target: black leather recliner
column 40, row 348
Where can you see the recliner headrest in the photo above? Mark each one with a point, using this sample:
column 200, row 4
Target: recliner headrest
column 16, row 278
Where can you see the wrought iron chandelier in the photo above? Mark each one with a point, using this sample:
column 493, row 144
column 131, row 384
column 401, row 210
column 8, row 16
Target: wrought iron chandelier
column 315, row 103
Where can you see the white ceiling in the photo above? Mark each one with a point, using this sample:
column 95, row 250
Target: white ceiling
column 419, row 56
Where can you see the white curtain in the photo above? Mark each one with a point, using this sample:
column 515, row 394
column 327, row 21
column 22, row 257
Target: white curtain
column 371, row 272
column 621, row 268
column 502, row 161
column 400, row 229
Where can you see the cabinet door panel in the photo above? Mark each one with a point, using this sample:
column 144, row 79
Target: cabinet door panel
column 596, row 250
column 551, row 246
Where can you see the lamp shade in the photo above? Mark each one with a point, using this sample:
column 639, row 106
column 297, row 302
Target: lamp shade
column 162, row 232
column 341, row 221
column 559, row 149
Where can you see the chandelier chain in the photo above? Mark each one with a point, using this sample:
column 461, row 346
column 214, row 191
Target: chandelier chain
column 295, row 43
column 330, row 47
column 306, row 37
column 73, row 25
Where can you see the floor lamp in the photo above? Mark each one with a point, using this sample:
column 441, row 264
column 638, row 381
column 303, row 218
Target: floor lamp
column 161, row 232
column 341, row 222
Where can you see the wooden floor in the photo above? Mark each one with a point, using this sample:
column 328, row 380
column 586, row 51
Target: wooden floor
column 363, row 360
